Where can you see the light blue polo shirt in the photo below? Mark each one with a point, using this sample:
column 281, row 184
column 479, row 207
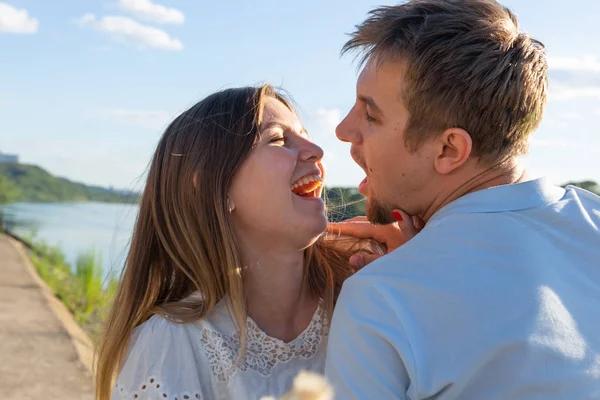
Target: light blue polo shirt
column 497, row 298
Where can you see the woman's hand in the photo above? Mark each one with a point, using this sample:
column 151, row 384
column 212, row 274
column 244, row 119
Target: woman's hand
column 390, row 236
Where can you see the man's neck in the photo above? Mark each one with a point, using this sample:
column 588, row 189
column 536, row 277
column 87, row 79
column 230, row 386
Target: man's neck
column 277, row 299
column 507, row 173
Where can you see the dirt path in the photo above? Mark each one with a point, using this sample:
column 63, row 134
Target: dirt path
column 38, row 358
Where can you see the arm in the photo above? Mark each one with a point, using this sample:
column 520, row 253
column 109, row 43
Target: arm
column 389, row 237
column 368, row 355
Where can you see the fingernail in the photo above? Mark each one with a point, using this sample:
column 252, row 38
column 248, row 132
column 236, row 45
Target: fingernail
column 397, row 215
column 356, row 261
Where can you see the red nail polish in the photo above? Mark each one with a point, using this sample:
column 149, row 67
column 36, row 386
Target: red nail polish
column 397, row 215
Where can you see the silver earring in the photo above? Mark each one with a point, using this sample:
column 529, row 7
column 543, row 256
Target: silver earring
column 229, row 206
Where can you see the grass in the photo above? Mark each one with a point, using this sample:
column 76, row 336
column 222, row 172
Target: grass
column 82, row 289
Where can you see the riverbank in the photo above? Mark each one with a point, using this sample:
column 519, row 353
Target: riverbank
column 44, row 352
column 81, row 288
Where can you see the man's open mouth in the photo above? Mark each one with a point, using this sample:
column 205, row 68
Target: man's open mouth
column 307, row 186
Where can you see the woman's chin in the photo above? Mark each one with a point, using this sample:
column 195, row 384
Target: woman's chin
column 307, row 204
column 317, row 224
column 310, row 229
column 322, row 225
column 309, row 208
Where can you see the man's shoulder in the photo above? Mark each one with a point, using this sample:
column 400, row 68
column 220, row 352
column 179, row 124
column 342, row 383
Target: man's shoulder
column 586, row 194
column 441, row 255
column 588, row 203
column 443, row 240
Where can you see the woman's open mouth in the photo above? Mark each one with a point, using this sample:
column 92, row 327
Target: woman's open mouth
column 308, row 186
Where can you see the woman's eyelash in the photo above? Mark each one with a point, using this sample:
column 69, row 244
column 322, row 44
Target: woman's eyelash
column 278, row 139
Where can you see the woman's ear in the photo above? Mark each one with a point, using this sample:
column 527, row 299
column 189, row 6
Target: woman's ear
column 230, row 205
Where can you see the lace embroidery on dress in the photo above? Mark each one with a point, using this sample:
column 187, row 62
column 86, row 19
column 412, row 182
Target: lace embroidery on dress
column 263, row 352
column 151, row 388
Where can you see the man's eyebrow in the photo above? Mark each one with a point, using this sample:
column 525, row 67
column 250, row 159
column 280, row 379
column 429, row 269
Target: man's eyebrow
column 371, row 103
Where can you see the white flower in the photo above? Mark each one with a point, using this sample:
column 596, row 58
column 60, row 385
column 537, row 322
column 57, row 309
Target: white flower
column 307, row 386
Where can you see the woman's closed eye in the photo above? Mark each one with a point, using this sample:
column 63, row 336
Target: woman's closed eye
column 278, row 140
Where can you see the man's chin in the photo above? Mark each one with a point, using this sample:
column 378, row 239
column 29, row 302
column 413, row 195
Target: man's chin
column 378, row 213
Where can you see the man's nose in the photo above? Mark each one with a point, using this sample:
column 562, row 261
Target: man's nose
column 347, row 131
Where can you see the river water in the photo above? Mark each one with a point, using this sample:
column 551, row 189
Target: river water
column 76, row 227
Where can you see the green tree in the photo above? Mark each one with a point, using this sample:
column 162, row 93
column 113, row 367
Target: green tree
column 8, row 191
column 344, row 203
column 21, row 182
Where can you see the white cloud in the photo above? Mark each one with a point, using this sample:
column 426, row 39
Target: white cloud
column 548, row 143
column 587, row 63
column 568, row 92
column 329, row 118
column 341, row 170
column 149, row 11
column 569, row 116
column 85, row 19
column 322, row 130
column 150, row 119
column 574, row 77
column 13, row 20
column 323, row 124
column 129, row 32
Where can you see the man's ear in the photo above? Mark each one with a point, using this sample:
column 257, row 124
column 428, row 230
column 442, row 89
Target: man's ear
column 454, row 147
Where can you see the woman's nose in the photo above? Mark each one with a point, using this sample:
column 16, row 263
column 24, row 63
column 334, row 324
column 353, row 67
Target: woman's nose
column 311, row 152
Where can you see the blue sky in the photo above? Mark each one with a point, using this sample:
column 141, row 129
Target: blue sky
column 86, row 87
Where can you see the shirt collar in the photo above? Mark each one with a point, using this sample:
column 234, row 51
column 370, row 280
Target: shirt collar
column 513, row 197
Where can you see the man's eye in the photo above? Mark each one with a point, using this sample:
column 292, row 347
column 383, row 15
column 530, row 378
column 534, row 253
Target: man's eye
column 368, row 117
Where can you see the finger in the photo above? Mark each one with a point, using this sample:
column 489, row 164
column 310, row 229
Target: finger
column 365, row 230
column 358, row 230
column 419, row 223
column 359, row 260
column 355, row 220
column 405, row 223
column 360, row 218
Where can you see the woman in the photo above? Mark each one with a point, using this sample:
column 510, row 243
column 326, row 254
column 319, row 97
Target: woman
column 229, row 284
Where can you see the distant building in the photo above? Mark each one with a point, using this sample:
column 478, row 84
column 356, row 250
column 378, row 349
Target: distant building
column 9, row 158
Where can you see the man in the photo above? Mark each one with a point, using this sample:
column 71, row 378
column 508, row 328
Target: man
column 498, row 296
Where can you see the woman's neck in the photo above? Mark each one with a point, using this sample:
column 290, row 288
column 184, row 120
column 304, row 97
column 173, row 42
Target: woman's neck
column 277, row 298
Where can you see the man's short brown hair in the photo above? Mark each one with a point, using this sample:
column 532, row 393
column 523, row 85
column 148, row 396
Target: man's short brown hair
column 466, row 66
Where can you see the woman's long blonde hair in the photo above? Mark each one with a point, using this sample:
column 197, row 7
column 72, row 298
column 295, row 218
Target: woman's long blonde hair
column 183, row 240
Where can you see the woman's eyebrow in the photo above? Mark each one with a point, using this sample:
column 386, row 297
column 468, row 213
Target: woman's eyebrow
column 283, row 126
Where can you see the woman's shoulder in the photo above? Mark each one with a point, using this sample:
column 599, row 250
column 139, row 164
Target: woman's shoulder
column 163, row 327
column 162, row 331
column 164, row 358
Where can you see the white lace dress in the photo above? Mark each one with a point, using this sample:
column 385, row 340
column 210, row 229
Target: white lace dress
column 172, row 361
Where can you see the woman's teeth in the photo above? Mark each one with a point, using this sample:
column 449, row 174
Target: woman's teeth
column 306, row 180
column 306, row 185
